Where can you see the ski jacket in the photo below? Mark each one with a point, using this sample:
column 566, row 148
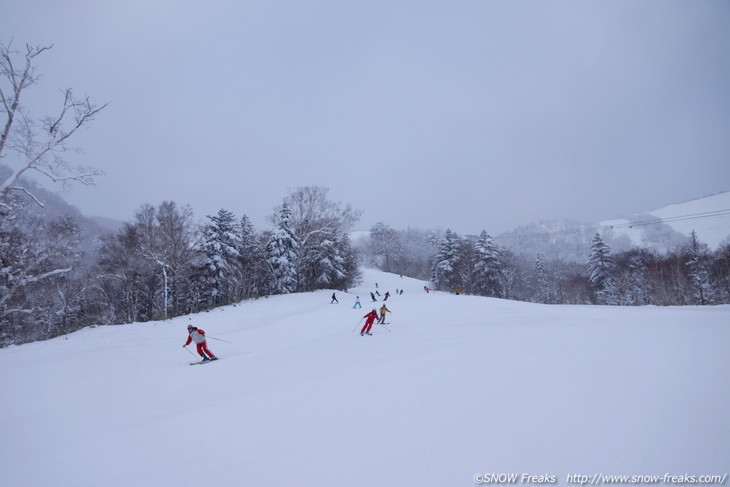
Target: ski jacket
column 196, row 335
column 384, row 310
column 371, row 317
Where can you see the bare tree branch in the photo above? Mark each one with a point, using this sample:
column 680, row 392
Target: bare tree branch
column 29, row 280
column 40, row 203
column 40, row 150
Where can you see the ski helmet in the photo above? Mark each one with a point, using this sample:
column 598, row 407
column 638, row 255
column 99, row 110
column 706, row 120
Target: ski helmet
column 190, row 327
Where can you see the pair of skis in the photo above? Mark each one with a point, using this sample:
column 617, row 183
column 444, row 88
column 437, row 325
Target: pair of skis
column 381, row 324
column 203, row 362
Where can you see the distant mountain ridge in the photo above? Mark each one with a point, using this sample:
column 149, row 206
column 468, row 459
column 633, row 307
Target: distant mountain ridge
column 708, row 217
column 663, row 229
column 55, row 206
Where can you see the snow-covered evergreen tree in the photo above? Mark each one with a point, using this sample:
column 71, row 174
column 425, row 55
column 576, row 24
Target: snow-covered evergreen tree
column 433, row 239
column 511, row 275
column 541, row 280
column 485, row 266
column 601, row 268
column 352, row 274
column 633, row 283
column 248, row 243
column 445, row 267
column 324, row 265
column 251, row 261
column 282, row 254
column 699, row 274
column 220, row 245
column 720, row 274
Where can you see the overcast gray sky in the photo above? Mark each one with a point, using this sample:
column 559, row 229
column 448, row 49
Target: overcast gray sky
column 472, row 115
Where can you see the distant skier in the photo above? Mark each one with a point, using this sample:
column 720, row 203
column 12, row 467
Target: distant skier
column 372, row 296
column 198, row 336
column 357, row 303
column 334, row 299
column 387, row 295
column 383, row 310
column 371, row 317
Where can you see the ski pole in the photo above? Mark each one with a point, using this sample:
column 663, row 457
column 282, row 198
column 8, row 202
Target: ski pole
column 191, row 353
column 358, row 324
column 386, row 327
column 214, row 338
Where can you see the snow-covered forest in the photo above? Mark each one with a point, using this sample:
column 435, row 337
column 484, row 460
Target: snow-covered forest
column 61, row 273
column 687, row 273
column 164, row 264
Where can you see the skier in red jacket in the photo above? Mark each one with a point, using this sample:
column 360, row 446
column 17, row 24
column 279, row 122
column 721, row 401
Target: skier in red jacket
column 371, row 317
column 198, row 336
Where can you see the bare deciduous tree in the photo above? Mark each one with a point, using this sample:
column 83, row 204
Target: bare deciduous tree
column 37, row 144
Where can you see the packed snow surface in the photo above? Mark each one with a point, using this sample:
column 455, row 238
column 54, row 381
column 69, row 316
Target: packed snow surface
column 456, row 386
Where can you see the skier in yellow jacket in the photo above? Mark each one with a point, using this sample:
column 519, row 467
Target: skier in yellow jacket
column 383, row 310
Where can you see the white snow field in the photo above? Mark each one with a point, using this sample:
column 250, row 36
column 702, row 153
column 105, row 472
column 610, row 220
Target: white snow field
column 461, row 386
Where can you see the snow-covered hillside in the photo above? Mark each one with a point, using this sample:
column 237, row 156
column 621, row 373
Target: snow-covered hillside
column 665, row 229
column 709, row 217
column 456, row 386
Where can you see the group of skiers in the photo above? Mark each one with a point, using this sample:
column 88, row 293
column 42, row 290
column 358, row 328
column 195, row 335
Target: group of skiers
column 385, row 296
column 372, row 316
column 197, row 335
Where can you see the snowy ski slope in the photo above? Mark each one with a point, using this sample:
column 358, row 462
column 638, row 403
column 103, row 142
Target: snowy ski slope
column 461, row 386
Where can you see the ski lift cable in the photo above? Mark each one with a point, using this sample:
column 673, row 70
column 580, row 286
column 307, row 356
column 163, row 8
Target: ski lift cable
column 670, row 219
column 673, row 219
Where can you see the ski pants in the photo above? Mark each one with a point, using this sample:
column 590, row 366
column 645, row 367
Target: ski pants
column 368, row 325
column 203, row 347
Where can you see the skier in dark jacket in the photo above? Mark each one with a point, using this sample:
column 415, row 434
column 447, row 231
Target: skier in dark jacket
column 334, row 299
